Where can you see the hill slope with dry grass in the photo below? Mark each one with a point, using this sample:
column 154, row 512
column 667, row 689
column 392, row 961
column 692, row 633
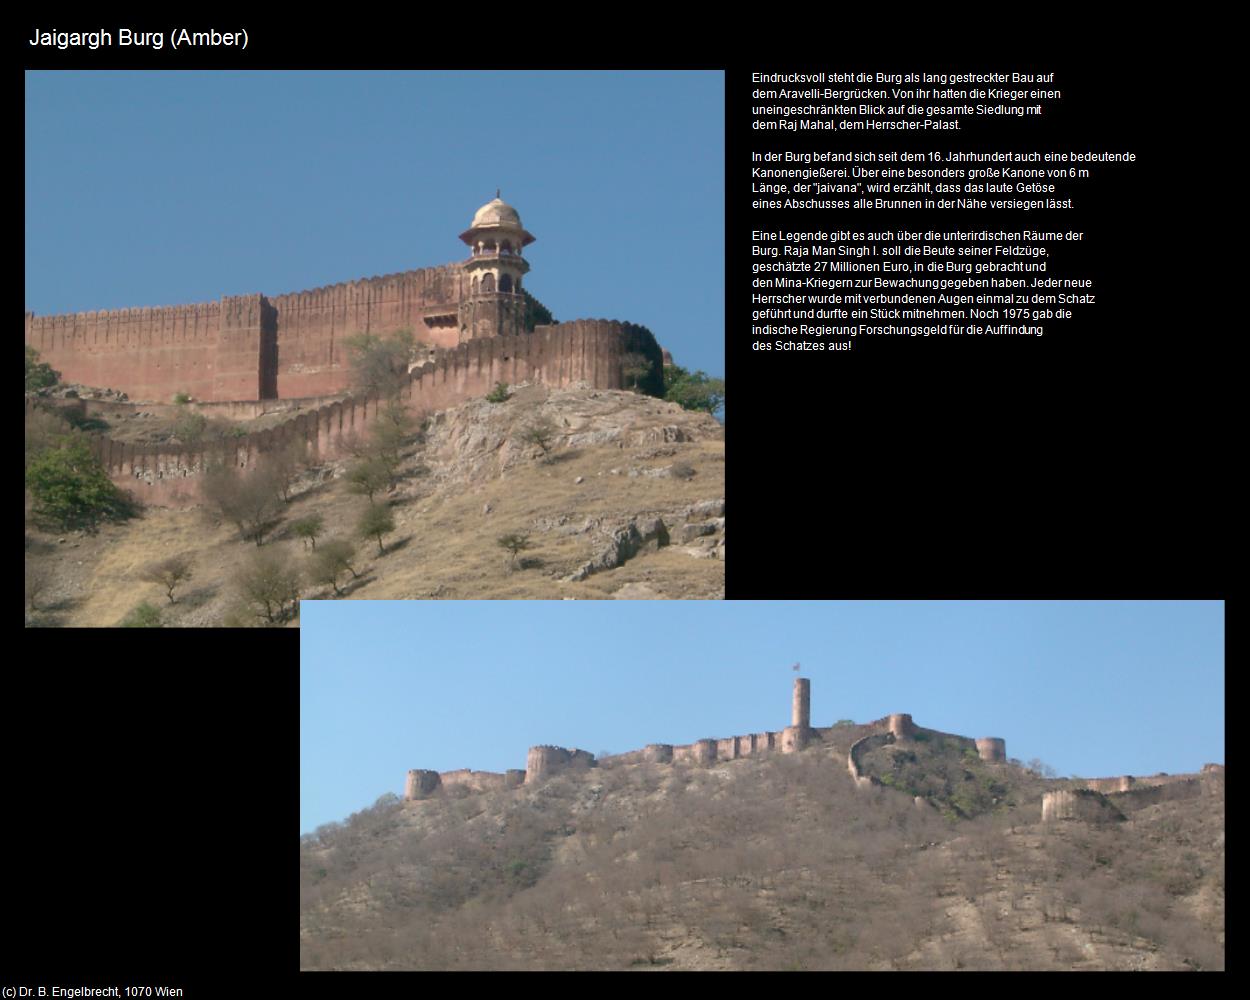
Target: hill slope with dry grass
column 615, row 459
column 772, row 862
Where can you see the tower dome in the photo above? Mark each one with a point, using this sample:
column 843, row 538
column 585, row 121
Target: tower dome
column 497, row 219
column 496, row 212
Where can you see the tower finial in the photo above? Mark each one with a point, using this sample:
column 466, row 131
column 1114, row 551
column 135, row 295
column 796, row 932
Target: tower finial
column 496, row 192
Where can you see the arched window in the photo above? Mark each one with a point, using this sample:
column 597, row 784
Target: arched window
column 507, row 247
column 505, row 283
column 488, row 282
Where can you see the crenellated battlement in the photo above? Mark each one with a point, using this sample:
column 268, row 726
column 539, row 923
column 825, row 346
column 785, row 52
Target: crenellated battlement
column 559, row 355
column 1091, row 800
column 546, row 760
column 295, row 345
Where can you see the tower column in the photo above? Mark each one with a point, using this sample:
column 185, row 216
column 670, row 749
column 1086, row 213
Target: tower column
column 801, row 710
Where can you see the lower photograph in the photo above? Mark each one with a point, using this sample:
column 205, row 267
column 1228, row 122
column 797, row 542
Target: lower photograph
column 708, row 785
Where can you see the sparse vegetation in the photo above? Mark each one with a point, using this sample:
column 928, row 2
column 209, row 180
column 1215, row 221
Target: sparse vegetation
column 540, row 432
column 375, row 521
column 455, row 555
column 634, row 368
column 170, row 573
column 143, row 615
column 499, row 394
column 70, row 487
column 536, row 314
column 39, row 374
column 268, row 584
column 693, row 390
column 380, row 364
column 515, row 542
column 309, row 529
column 38, row 579
column 251, row 500
column 768, row 863
column 331, row 561
column 368, row 476
column 189, row 428
column 181, row 398
column 285, row 464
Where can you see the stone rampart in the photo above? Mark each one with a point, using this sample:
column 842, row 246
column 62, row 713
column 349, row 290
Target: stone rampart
column 658, row 753
column 421, row 784
column 147, row 353
column 587, row 351
column 860, row 747
column 544, row 761
column 1120, row 784
column 313, row 326
column 1172, row 791
column 901, row 726
column 1078, row 804
column 474, row 781
column 622, row 759
column 794, row 738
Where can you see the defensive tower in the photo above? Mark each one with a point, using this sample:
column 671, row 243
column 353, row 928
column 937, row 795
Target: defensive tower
column 491, row 301
column 796, row 735
column 991, row 748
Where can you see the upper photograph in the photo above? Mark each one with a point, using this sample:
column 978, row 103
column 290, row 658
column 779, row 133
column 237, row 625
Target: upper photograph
column 340, row 335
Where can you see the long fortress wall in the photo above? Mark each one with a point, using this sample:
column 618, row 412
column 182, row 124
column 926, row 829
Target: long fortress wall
column 587, row 351
column 140, row 351
column 246, row 347
column 312, row 326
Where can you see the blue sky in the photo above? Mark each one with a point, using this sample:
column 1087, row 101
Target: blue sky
column 1092, row 688
column 146, row 188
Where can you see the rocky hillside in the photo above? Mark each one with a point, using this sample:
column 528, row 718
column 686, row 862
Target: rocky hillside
column 773, row 862
column 627, row 501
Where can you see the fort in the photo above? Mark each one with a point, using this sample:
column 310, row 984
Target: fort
column 1091, row 800
column 249, row 354
column 543, row 762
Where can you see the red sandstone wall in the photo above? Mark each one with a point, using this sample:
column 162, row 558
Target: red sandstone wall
column 583, row 351
column 147, row 353
column 312, row 326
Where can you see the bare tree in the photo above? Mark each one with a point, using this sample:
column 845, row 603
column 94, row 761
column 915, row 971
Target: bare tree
column 169, row 573
column 634, row 368
column 285, row 465
column 331, row 561
column 269, row 584
column 540, row 431
column 514, row 542
column 252, row 500
column 380, row 364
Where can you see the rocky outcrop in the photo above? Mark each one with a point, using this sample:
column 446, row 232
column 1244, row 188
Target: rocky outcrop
column 639, row 535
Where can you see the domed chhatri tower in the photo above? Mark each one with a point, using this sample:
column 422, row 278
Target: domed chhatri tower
column 491, row 302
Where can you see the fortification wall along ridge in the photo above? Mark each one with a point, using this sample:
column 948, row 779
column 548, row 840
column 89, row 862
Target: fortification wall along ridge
column 215, row 350
column 252, row 347
column 585, row 351
column 312, row 326
column 1069, row 803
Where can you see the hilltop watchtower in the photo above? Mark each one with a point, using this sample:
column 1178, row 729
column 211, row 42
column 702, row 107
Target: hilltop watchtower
column 796, row 735
column 491, row 300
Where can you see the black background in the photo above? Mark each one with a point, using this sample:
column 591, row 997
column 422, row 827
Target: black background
column 152, row 796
